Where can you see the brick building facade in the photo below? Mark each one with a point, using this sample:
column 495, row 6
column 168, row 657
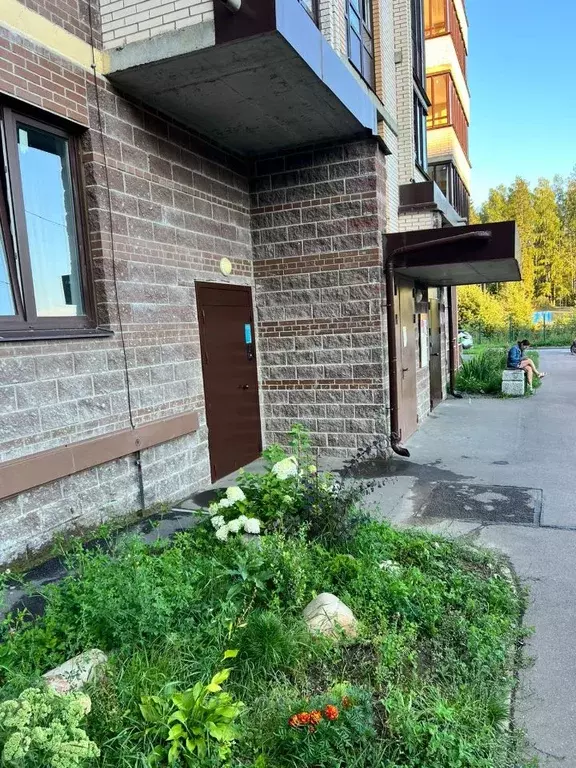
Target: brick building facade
column 107, row 412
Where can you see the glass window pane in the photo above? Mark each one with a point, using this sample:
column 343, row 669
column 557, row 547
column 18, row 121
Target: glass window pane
column 50, row 222
column 355, row 22
column 355, row 50
column 7, row 306
column 368, row 66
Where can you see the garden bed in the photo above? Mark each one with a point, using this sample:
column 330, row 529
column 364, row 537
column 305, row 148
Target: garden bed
column 212, row 663
column 482, row 373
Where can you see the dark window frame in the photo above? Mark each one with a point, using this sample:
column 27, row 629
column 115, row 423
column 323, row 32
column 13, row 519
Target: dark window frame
column 364, row 15
column 418, row 50
column 420, row 134
column 26, row 324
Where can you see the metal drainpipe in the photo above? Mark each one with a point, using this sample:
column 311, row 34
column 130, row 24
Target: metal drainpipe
column 452, row 345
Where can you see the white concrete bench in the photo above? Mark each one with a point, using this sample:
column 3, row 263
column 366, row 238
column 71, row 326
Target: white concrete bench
column 513, row 383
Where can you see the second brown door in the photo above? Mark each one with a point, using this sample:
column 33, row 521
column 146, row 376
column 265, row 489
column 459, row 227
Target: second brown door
column 406, row 338
column 230, row 376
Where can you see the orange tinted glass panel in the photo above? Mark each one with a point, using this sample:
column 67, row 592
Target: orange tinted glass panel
column 435, row 17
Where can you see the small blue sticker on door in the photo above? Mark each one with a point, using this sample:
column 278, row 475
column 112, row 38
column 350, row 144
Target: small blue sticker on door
column 247, row 333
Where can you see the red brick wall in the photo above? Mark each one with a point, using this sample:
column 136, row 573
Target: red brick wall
column 34, row 75
column 72, row 15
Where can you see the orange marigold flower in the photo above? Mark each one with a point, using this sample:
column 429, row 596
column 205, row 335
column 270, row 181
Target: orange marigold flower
column 293, row 721
column 346, row 702
column 315, row 716
column 304, row 718
column 331, row 712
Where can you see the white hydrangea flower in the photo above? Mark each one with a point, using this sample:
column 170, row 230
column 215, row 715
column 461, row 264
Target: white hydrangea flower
column 226, row 502
column 252, row 525
column 234, row 525
column 217, row 521
column 242, row 519
column 312, row 469
column 222, row 533
column 235, row 494
column 213, row 508
column 285, row 468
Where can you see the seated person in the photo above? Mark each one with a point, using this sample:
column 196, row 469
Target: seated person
column 517, row 361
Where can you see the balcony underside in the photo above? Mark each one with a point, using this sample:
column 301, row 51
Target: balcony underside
column 252, row 95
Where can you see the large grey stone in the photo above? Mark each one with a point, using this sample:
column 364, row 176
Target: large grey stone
column 76, row 672
column 327, row 614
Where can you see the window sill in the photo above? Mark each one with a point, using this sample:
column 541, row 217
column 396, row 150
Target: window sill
column 53, row 334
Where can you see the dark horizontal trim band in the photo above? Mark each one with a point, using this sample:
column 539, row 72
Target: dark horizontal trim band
column 21, row 475
column 50, row 335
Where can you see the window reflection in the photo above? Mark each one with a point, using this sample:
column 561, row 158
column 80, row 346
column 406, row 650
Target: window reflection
column 50, row 222
column 6, row 299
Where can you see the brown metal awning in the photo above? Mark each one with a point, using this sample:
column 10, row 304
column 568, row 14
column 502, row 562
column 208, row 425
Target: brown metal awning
column 480, row 253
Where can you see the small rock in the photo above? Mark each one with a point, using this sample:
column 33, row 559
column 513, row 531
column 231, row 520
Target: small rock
column 76, row 672
column 326, row 614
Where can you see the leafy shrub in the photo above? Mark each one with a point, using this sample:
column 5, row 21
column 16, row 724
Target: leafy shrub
column 41, row 728
column 482, row 374
column 194, row 724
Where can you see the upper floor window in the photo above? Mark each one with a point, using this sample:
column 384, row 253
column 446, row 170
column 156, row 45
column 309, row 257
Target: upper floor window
column 421, row 153
column 43, row 271
column 360, row 43
column 441, row 18
column 311, row 8
column 446, row 107
column 448, row 180
column 417, row 40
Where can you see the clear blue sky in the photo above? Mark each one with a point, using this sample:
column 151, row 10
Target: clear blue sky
column 522, row 77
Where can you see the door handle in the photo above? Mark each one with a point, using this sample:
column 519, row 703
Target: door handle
column 405, row 369
column 244, row 386
column 435, row 354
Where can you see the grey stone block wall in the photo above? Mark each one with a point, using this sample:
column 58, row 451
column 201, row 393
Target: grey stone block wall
column 178, row 205
column 318, row 215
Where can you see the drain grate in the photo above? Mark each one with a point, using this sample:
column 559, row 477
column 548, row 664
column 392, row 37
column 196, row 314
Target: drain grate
column 484, row 503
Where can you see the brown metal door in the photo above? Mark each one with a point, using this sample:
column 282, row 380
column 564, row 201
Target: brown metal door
column 407, row 412
column 435, row 350
column 230, row 376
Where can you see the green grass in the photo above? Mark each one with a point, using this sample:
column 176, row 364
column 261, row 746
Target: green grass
column 430, row 670
column 482, row 372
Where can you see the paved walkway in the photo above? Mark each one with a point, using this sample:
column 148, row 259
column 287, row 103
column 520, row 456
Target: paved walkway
column 527, row 443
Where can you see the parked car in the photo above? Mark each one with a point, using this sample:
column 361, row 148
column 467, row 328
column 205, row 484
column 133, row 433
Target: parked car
column 465, row 340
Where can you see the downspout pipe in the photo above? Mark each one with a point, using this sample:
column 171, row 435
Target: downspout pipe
column 452, row 345
column 393, row 359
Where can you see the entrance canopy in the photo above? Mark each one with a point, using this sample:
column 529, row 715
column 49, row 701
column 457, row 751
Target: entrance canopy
column 480, row 253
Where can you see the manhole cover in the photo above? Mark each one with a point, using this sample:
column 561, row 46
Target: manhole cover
column 486, row 503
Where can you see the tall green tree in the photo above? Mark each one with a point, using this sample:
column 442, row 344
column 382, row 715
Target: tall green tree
column 551, row 274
